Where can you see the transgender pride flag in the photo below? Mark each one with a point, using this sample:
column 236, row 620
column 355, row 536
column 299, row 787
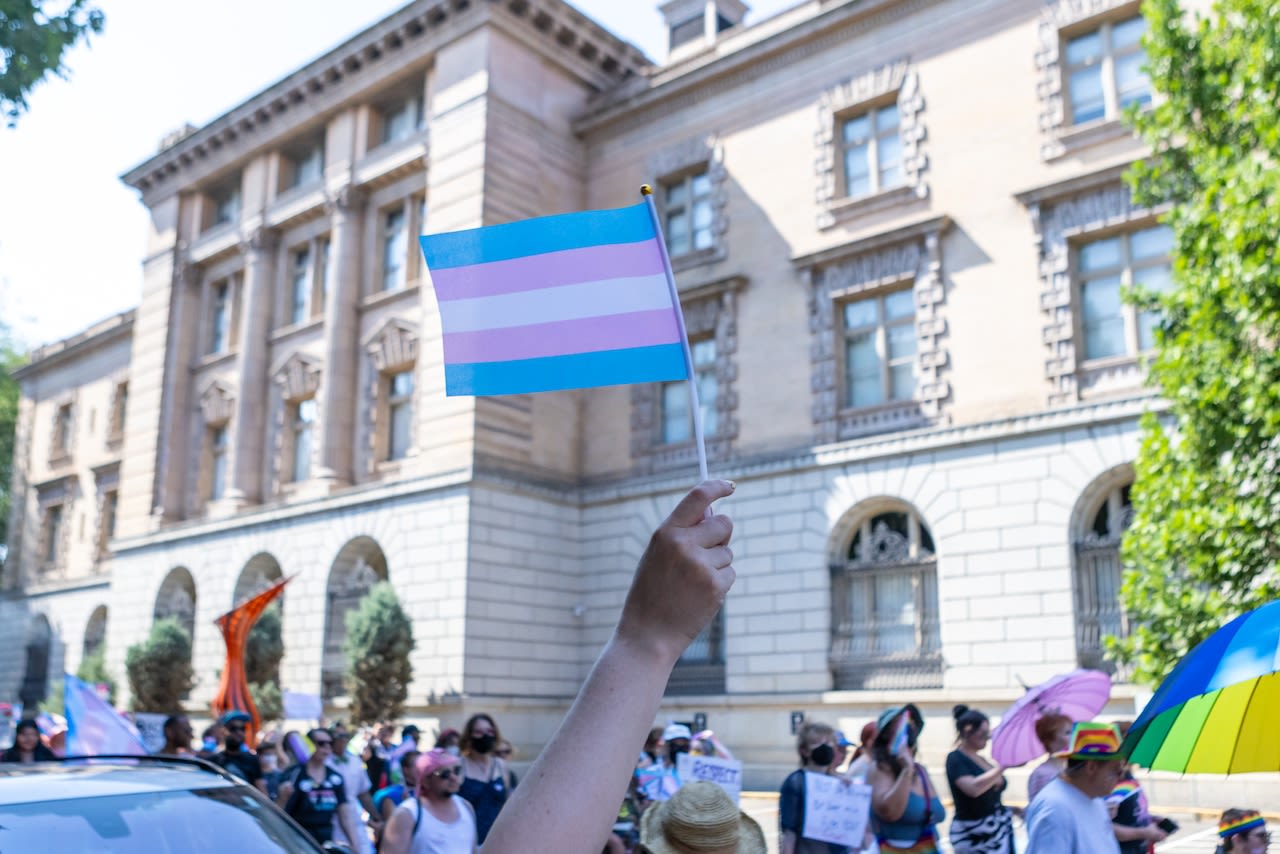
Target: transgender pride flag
column 571, row 301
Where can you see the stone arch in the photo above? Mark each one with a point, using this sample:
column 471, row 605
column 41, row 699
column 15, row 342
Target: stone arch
column 177, row 599
column 884, row 598
column 1098, row 522
column 95, row 632
column 259, row 572
column 359, row 565
column 39, row 652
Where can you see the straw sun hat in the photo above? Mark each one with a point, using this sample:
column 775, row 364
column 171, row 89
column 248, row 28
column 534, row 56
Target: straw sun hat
column 699, row 819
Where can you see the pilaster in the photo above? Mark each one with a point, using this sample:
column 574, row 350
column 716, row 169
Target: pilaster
column 251, row 366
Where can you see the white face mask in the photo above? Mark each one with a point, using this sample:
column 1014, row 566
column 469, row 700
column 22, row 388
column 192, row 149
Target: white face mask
column 453, row 750
column 268, row 762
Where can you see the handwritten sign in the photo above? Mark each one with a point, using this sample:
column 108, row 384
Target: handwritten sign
column 835, row 811
column 302, row 707
column 725, row 773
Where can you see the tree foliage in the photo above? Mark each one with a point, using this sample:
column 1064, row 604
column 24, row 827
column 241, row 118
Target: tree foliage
column 263, row 652
column 93, row 670
column 159, row 669
column 32, row 45
column 1203, row 546
column 379, row 640
column 11, row 358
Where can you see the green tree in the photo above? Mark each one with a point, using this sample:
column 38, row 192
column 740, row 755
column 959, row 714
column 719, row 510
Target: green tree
column 263, row 652
column 159, row 669
column 1203, row 546
column 379, row 640
column 32, row 45
column 11, row 358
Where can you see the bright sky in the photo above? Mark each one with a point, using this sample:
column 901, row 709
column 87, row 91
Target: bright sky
column 71, row 235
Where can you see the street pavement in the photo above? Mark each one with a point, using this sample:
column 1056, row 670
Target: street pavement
column 1194, row 834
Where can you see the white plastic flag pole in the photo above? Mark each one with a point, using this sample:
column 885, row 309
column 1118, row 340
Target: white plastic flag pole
column 647, row 192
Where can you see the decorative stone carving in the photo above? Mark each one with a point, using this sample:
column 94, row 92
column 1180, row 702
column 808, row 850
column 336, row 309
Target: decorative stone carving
column 918, row 259
column 690, row 156
column 394, row 344
column 299, row 377
column 845, row 99
column 345, row 200
column 259, row 241
column 216, row 404
column 1056, row 223
column 1056, row 15
column 711, row 311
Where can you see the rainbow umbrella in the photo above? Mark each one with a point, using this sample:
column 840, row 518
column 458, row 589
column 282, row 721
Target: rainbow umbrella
column 1216, row 712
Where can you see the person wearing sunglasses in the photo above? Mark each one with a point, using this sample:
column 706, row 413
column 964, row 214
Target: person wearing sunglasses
column 313, row 793
column 437, row 820
column 235, row 755
column 1243, row 832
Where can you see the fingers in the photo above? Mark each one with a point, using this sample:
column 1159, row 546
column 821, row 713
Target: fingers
column 720, row 556
column 713, row 531
column 692, row 509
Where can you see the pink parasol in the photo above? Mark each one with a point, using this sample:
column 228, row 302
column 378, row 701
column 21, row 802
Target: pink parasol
column 1079, row 695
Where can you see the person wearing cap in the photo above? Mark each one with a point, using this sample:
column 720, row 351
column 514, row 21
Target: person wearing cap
column 660, row 779
column 313, row 794
column 1243, row 832
column 436, row 820
column 235, row 755
column 816, row 745
column 700, row 819
column 904, row 801
column 1069, row 815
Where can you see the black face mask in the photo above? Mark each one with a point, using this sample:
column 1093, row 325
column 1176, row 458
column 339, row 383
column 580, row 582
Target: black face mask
column 674, row 750
column 482, row 743
column 823, row 755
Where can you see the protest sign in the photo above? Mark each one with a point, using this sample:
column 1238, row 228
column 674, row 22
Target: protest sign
column 151, row 728
column 302, row 707
column 725, row 773
column 835, row 811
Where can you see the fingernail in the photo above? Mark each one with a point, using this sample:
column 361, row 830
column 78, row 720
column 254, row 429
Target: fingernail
column 732, row 485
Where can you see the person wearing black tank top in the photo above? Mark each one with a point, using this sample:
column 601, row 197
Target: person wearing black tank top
column 982, row 824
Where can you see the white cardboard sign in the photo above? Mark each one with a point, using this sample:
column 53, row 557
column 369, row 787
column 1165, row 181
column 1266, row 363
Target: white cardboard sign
column 835, row 811
column 725, row 773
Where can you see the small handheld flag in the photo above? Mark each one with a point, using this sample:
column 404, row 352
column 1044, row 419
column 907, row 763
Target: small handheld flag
column 900, row 735
column 559, row 302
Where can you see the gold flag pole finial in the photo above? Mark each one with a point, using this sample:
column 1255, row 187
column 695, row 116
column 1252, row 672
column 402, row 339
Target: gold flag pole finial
column 646, row 190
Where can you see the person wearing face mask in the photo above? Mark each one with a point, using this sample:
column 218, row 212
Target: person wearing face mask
column 816, row 744
column 486, row 782
column 235, row 756
column 1243, row 832
column 904, row 801
column 660, row 779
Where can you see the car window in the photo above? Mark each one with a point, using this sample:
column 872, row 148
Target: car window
column 191, row 821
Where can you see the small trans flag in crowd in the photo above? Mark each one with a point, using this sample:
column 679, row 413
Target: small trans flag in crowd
column 570, row 301
column 93, row 727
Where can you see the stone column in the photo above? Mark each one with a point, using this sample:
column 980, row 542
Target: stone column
column 177, row 403
column 249, row 424
column 338, row 392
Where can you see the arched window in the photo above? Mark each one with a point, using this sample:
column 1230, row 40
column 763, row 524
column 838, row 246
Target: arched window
column 177, row 599
column 884, row 622
column 258, row 574
column 95, row 633
column 1097, row 575
column 360, row 564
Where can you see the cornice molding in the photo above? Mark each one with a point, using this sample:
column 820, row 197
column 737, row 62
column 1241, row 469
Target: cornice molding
column 411, row 35
column 60, row 352
column 832, row 25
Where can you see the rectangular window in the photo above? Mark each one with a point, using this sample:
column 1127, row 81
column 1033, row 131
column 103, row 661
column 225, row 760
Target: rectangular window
column 62, row 430
column 689, row 214
column 323, row 273
column 871, row 151
column 402, row 120
column 52, row 546
column 300, row 287
column 1103, row 71
column 107, row 524
column 1110, row 327
column 307, row 167
column 677, row 422
column 119, row 406
column 880, row 349
column 226, row 206
column 217, row 463
column 304, row 420
column 395, row 249
column 399, row 414
column 220, row 318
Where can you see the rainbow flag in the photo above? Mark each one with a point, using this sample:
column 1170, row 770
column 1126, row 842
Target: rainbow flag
column 559, row 302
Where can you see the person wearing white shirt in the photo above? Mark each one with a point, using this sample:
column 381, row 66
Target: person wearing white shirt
column 355, row 780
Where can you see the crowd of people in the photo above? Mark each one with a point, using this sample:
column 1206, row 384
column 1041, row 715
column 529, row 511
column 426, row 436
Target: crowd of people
column 460, row 794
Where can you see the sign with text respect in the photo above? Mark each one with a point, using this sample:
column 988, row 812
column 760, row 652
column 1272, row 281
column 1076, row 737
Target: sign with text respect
column 725, row 773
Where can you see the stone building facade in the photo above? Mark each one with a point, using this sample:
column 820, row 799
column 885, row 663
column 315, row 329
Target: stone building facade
column 900, row 233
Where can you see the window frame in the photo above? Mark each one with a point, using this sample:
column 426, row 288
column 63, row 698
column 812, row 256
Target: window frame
column 687, row 181
column 218, row 453
column 107, row 516
column 298, row 161
column 1131, row 315
column 871, row 110
column 704, row 372
column 392, row 403
column 881, row 332
column 395, row 107
column 53, row 534
column 296, row 427
column 1112, row 109
column 1094, row 553
column 64, row 420
column 221, row 310
column 119, row 411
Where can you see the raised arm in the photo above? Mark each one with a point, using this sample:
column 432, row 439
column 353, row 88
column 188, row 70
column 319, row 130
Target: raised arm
column 569, row 806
